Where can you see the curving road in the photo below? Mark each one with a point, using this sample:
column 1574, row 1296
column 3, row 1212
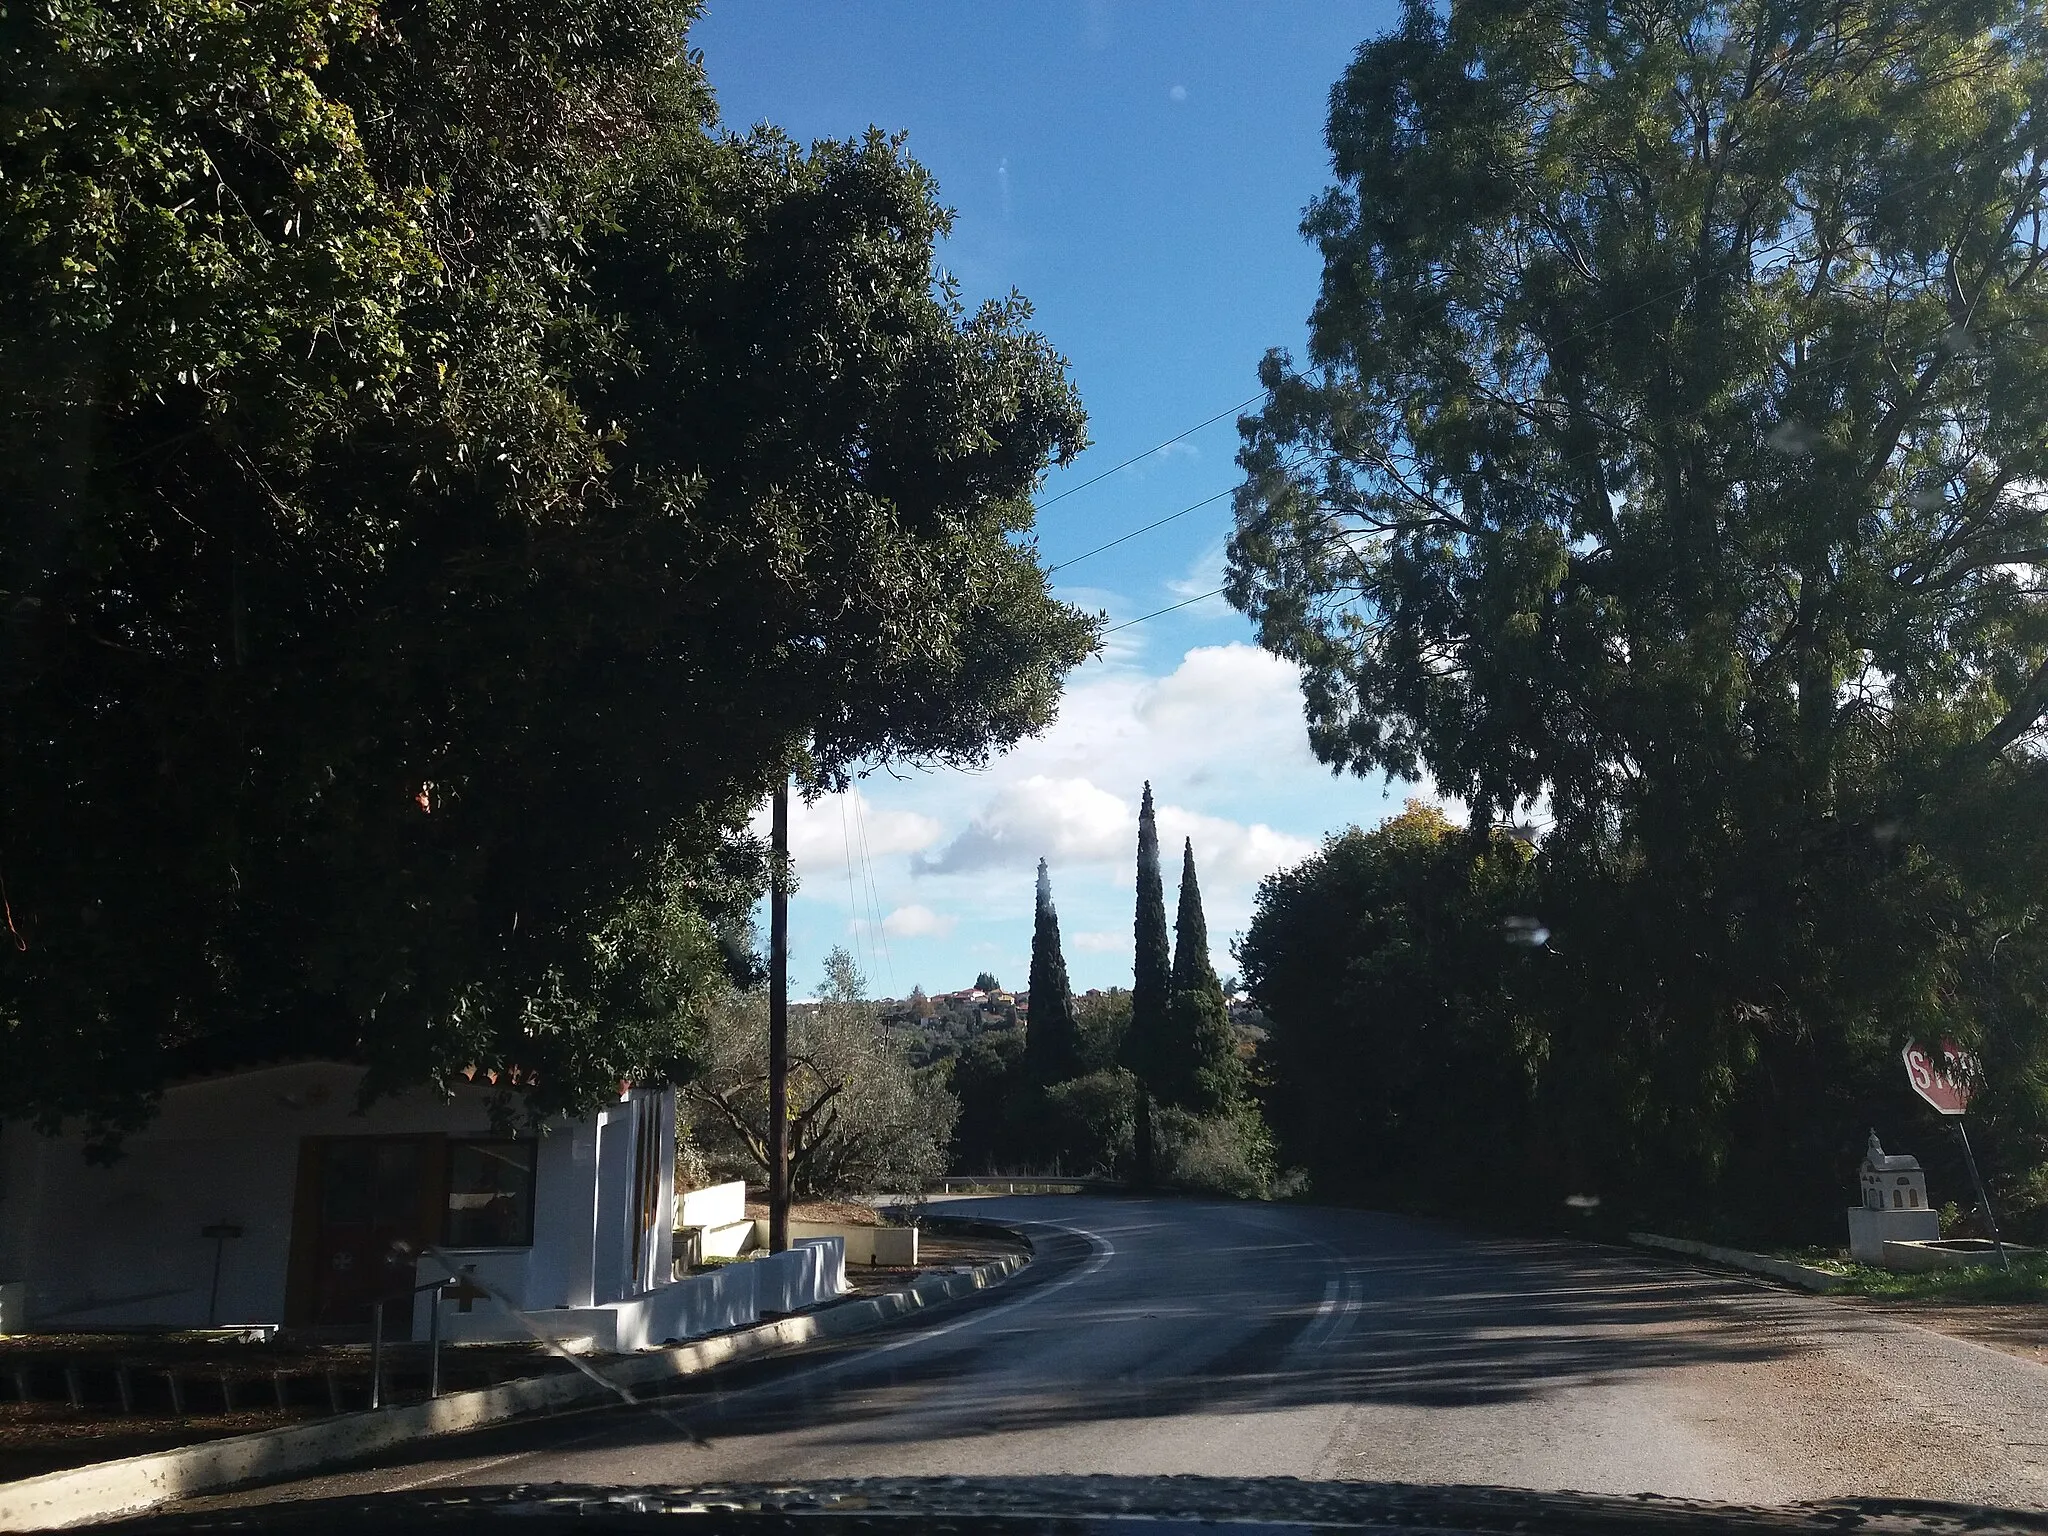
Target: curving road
column 1166, row 1336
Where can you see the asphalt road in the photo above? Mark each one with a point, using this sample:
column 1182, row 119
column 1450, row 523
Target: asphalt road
column 1175, row 1336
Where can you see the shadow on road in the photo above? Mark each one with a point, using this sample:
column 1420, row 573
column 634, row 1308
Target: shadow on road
column 1240, row 1313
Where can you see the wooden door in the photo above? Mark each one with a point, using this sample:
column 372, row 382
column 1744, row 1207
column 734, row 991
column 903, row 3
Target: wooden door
column 360, row 1197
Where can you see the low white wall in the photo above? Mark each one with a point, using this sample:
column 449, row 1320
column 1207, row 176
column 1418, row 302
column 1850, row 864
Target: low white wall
column 731, row 1296
column 715, row 1205
column 1870, row 1230
column 864, row 1245
column 728, row 1240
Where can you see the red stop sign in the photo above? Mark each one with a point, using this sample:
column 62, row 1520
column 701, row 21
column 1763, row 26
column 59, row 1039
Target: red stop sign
column 1948, row 1091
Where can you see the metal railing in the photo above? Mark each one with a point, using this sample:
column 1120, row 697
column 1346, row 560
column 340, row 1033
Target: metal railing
column 1027, row 1183
column 433, row 1335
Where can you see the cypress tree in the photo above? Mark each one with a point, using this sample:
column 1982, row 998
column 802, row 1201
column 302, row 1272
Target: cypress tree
column 1146, row 1050
column 1052, row 1040
column 1207, row 1075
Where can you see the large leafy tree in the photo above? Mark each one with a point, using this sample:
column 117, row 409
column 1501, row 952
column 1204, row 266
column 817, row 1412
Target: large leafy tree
column 447, row 481
column 861, row 1119
column 1668, row 454
column 1402, row 1049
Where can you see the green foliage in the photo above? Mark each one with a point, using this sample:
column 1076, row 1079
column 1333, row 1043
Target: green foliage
column 2025, row 1284
column 1052, row 1047
column 1230, row 1153
column 1101, row 1020
column 862, row 1119
column 1400, row 1052
column 1667, row 455
column 985, row 981
column 1210, row 1077
column 988, row 1079
column 448, row 482
column 1090, row 1112
column 1088, row 1123
column 1148, row 1049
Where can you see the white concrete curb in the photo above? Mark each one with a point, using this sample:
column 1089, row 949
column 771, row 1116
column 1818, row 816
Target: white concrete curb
column 1803, row 1275
column 111, row 1488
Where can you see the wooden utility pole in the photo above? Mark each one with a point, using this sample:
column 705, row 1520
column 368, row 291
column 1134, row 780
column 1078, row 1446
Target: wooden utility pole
column 778, row 1028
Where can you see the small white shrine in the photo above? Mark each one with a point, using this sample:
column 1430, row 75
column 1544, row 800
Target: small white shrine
column 1894, row 1207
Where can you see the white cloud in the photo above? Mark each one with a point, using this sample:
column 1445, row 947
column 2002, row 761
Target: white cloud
column 1178, row 93
column 1067, row 821
column 918, row 922
column 1108, row 942
column 1227, row 715
column 826, row 832
column 1204, row 577
column 1226, row 852
column 1071, row 821
column 1218, row 732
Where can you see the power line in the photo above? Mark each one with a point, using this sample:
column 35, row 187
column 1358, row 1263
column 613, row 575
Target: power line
column 1112, row 544
column 867, row 866
column 852, row 901
column 1141, row 618
column 1127, row 463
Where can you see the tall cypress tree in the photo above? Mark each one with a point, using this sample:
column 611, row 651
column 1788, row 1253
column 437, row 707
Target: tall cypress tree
column 1146, row 1044
column 1206, row 1075
column 1052, row 1041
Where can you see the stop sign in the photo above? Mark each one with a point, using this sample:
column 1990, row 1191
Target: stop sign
column 1948, row 1093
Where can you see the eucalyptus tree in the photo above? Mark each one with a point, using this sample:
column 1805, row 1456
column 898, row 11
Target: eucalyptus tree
column 1667, row 457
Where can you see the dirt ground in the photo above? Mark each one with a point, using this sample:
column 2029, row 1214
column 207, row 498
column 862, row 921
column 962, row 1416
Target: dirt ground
column 845, row 1213
column 45, row 1435
column 223, row 1389
column 934, row 1251
column 2017, row 1330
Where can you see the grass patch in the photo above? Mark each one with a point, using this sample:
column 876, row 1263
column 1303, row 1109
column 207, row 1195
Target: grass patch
column 1987, row 1283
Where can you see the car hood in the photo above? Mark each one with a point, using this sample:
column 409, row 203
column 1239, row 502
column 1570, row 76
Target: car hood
column 1070, row 1506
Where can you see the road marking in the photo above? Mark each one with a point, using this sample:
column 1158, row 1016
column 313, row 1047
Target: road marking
column 1104, row 1251
column 442, row 1477
column 1312, row 1335
column 1343, row 1296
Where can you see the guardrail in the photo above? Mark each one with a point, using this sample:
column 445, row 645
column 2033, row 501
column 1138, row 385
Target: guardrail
column 1021, row 1183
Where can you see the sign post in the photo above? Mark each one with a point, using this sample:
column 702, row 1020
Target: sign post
column 1946, row 1078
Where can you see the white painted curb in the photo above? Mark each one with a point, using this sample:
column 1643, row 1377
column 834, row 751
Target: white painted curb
column 1803, row 1275
column 109, row 1488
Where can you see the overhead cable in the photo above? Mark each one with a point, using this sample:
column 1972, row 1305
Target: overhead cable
column 1141, row 618
column 1135, row 458
column 1161, row 523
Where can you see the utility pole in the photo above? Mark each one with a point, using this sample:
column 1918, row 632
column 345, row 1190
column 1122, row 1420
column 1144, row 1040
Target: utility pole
column 778, row 1027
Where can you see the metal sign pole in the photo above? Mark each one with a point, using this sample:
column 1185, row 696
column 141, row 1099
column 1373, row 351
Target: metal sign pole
column 377, row 1356
column 434, row 1340
column 778, row 1024
column 1983, row 1196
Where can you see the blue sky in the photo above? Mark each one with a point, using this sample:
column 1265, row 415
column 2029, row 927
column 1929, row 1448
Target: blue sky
column 1138, row 172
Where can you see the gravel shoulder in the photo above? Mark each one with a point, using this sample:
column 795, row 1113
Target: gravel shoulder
column 2021, row 1331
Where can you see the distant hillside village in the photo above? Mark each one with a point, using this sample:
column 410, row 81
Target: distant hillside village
column 937, row 1028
